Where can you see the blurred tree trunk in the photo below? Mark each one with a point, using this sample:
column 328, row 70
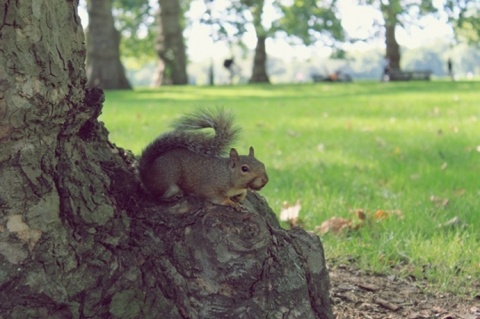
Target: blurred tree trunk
column 79, row 239
column 104, row 68
column 170, row 45
column 390, row 11
column 259, row 71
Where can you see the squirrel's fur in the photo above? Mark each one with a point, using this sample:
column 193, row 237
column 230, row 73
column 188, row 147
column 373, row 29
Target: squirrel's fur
column 188, row 161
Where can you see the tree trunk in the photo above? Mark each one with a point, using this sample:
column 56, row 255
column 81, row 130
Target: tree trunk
column 390, row 12
column 259, row 71
column 170, row 45
column 104, row 68
column 79, row 238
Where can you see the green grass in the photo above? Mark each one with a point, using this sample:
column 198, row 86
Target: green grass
column 342, row 147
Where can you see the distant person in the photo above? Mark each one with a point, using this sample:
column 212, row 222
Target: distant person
column 450, row 69
column 229, row 64
column 386, row 70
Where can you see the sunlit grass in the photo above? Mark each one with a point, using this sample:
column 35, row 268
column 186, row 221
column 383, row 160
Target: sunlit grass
column 340, row 148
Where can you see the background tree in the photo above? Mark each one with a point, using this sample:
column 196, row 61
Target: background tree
column 79, row 238
column 135, row 20
column 104, row 68
column 307, row 21
column 390, row 12
column 259, row 69
column 170, row 44
column 399, row 13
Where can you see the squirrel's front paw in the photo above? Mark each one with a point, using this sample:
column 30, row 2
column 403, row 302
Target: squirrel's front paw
column 237, row 198
column 234, row 202
column 241, row 209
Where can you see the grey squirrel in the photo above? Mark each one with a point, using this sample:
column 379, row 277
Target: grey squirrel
column 189, row 161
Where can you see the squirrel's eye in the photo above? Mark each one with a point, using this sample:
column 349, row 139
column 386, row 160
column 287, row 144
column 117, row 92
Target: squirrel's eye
column 245, row 169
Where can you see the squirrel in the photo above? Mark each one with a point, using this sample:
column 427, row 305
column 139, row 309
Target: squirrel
column 189, row 161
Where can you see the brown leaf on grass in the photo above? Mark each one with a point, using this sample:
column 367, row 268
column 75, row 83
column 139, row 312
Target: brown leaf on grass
column 453, row 223
column 438, row 201
column 290, row 213
column 334, row 225
column 384, row 214
column 380, row 214
column 360, row 213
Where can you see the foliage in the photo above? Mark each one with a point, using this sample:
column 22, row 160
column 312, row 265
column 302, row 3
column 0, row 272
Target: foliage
column 393, row 147
column 310, row 21
column 465, row 16
column 307, row 21
column 135, row 19
column 404, row 12
column 227, row 20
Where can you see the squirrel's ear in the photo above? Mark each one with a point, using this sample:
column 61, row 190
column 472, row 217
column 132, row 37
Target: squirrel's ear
column 234, row 158
column 251, row 152
column 233, row 154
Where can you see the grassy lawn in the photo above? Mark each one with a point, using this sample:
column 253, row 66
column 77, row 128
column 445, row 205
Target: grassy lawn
column 412, row 148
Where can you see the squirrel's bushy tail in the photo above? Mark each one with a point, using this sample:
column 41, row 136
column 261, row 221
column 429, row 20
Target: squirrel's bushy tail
column 187, row 133
column 222, row 123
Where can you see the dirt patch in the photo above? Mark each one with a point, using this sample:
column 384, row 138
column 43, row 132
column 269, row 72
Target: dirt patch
column 358, row 295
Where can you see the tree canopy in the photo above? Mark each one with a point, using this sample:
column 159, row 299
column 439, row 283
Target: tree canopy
column 299, row 22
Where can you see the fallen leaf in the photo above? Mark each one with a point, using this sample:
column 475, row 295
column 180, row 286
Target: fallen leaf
column 360, row 213
column 334, row 225
column 290, row 213
column 384, row 214
column 438, row 201
column 454, row 222
column 380, row 214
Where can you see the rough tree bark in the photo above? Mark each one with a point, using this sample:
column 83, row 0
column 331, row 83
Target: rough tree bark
column 104, row 68
column 390, row 15
column 170, row 46
column 79, row 238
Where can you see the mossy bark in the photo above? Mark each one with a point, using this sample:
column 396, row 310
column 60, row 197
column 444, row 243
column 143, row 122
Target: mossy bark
column 79, row 238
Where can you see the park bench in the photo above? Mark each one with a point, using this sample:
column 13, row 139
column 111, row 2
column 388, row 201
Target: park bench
column 423, row 75
column 334, row 77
